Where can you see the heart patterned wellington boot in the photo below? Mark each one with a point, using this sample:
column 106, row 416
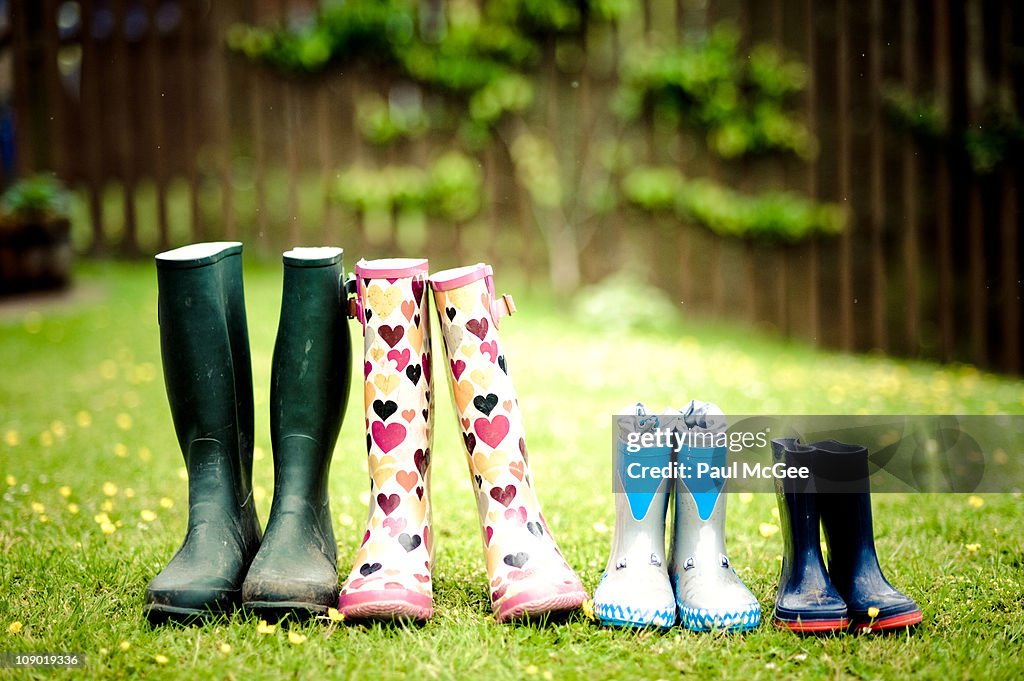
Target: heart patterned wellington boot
column 204, row 346
column 295, row 571
column 849, row 535
column 390, row 578
column 635, row 589
column 528, row 575
column 709, row 593
column 807, row 601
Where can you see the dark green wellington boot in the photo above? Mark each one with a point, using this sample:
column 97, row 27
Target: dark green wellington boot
column 207, row 371
column 295, row 571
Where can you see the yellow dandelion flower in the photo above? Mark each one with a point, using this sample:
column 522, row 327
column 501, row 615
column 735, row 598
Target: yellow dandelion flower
column 588, row 609
column 73, row 509
column 37, row 507
column 109, row 489
column 166, row 503
column 547, row 675
column 295, row 638
column 145, row 454
column 107, row 505
column 124, row 645
column 259, row 493
column 58, row 429
column 974, row 501
column 11, row 438
column 147, row 515
column 108, row 528
column 264, row 628
column 124, row 421
column 775, row 513
column 65, row 491
column 83, row 419
column 767, row 529
column 335, row 616
column 531, row 670
column 973, row 548
column 120, row 450
column 224, row 648
column 46, row 439
column 873, row 612
column 14, row 628
column 258, row 454
column 746, row 497
column 11, row 481
column 129, row 493
column 346, row 520
column 182, row 473
column 160, row 659
column 101, row 518
column 43, row 518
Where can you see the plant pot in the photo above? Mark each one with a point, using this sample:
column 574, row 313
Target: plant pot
column 35, row 255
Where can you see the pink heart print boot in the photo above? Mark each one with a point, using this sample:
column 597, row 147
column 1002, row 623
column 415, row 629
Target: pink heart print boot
column 528, row 575
column 390, row 577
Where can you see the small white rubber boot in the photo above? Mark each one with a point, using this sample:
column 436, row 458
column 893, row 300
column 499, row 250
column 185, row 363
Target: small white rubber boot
column 709, row 593
column 634, row 590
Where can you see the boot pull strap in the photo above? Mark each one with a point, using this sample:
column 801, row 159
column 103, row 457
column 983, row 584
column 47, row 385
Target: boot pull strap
column 502, row 306
column 354, row 299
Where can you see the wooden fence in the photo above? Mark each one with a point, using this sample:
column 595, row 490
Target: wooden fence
column 172, row 139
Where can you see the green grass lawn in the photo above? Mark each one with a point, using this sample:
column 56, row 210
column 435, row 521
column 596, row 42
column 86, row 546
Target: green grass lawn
column 94, row 504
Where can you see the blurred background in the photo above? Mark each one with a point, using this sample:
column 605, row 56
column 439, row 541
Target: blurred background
column 844, row 172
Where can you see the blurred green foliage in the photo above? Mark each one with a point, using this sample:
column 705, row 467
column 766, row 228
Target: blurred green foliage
column 39, row 197
column 997, row 138
column 772, row 215
column 741, row 101
column 478, row 67
column 450, row 188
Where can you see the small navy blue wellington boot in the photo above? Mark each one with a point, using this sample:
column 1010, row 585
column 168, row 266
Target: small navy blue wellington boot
column 807, row 601
column 852, row 560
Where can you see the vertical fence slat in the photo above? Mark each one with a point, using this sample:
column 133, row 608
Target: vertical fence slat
column 976, row 94
column 879, row 308
column 92, row 124
column 189, row 61
column 126, row 129
column 911, row 191
column 24, row 87
column 943, row 184
column 155, row 76
column 846, row 339
column 1010, row 215
column 813, row 247
column 56, row 144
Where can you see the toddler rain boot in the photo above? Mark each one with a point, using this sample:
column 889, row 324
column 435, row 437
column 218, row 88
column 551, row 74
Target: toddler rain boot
column 204, row 345
column 635, row 589
column 391, row 575
column 295, row 570
column 807, row 601
column 709, row 593
column 849, row 535
column 528, row 575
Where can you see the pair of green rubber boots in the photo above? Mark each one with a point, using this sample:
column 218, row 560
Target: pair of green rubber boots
column 226, row 560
